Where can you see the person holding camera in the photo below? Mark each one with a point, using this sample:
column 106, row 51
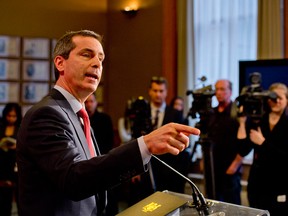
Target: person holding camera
column 222, row 127
column 267, row 182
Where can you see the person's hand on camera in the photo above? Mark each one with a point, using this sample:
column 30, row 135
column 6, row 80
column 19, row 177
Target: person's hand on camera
column 171, row 138
column 256, row 136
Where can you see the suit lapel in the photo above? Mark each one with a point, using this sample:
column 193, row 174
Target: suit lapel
column 73, row 118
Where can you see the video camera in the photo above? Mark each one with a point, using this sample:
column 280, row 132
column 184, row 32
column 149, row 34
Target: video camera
column 139, row 116
column 201, row 105
column 202, row 101
column 253, row 99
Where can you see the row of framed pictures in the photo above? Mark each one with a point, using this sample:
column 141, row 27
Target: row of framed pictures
column 26, row 69
column 30, row 93
column 32, row 70
column 10, row 46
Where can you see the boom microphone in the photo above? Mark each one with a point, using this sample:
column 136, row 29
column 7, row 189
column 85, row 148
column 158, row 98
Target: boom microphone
column 199, row 201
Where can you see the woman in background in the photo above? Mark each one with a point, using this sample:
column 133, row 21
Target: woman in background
column 9, row 125
column 177, row 103
column 267, row 183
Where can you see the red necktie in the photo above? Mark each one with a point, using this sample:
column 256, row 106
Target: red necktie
column 84, row 115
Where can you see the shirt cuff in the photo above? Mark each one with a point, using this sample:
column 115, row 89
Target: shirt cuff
column 146, row 155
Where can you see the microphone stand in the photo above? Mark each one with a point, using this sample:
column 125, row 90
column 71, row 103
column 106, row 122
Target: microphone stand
column 199, row 201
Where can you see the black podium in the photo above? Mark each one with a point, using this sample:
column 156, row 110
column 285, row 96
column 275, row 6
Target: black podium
column 169, row 203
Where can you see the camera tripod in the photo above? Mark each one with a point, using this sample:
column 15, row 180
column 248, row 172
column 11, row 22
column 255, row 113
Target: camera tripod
column 208, row 160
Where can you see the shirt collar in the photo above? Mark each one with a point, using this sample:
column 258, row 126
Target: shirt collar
column 74, row 103
column 161, row 109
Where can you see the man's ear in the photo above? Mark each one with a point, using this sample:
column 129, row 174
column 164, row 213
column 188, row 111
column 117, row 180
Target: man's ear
column 59, row 63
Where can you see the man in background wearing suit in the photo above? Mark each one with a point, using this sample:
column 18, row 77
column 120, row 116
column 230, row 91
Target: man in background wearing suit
column 161, row 114
column 62, row 172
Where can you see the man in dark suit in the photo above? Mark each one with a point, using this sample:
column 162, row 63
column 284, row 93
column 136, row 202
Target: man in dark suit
column 161, row 114
column 58, row 174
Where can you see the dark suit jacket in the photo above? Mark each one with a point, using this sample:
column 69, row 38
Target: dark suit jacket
column 56, row 174
column 165, row 178
column 172, row 115
column 103, row 131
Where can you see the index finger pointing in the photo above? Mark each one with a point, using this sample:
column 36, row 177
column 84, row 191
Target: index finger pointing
column 187, row 130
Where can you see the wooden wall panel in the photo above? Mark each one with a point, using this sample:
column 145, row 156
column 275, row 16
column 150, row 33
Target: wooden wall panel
column 169, row 35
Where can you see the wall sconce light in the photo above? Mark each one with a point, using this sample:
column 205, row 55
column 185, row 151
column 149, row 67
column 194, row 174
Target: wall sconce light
column 130, row 11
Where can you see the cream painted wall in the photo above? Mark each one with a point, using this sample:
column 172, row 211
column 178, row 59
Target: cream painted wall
column 51, row 18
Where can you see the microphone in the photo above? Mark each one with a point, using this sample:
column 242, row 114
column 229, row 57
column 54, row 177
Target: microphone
column 199, row 201
column 203, row 78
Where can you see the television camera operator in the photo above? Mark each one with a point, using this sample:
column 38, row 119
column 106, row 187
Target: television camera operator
column 222, row 162
column 264, row 129
column 252, row 101
column 222, row 132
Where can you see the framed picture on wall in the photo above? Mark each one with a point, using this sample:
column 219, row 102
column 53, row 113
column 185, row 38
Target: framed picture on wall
column 34, row 92
column 36, row 70
column 9, row 46
column 36, row 48
column 9, row 69
column 4, row 92
column 9, row 92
